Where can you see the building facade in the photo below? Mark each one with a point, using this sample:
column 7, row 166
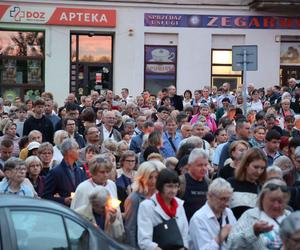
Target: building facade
column 76, row 46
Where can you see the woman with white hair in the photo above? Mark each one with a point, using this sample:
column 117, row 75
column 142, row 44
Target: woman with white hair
column 258, row 228
column 100, row 211
column 290, row 231
column 142, row 188
column 211, row 224
column 59, row 136
column 34, row 168
column 10, row 133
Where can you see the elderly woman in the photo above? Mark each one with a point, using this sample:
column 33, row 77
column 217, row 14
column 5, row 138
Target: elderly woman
column 142, row 188
column 125, row 175
column 10, row 132
column 122, row 147
column 211, row 224
column 290, row 231
column 99, row 211
column 249, row 175
column 34, row 167
column 59, row 136
column 163, row 206
column 45, row 153
column 100, row 168
column 258, row 228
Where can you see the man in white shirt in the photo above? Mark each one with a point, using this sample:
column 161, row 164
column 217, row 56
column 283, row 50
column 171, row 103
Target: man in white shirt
column 211, row 224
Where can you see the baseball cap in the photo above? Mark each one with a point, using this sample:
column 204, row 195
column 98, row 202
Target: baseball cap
column 33, row 145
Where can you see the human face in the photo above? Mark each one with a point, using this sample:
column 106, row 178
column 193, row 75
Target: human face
column 186, row 131
column 151, row 182
column 101, row 176
column 146, row 95
column 297, row 163
column 198, row 168
column 285, row 104
column 205, row 93
column 129, row 163
column 197, row 95
column 204, row 111
column 110, row 119
column 74, row 153
column 6, row 153
column 88, row 102
column 172, row 90
column 198, row 131
column 171, row 127
column 255, row 169
column 273, row 145
column 70, row 126
column 129, row 129
column 22, row 114
column 39, row 109
column 17, row 174
column 140, row 121
column 89, row 155
column 48, row 107
column 260, row 135
column 270, row 123
column 187, row 95
column 274, row 202
column 12, row 130
column 218, row 202
column 124, row 93
column 140, row 101
column 169, row 191
column 255, row 96
column 37, row 137
column 267, row 104
column 290, row 124
column 34, row 169
column 222, row 137
column 238, row 152
column 46, row 156
column 244, row 132
column 164, row 114
column 93, row 135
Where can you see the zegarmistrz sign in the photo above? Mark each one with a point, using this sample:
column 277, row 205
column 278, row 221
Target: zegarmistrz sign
column 220, row 21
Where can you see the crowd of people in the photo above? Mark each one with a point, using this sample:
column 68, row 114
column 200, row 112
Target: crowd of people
column 164, row 171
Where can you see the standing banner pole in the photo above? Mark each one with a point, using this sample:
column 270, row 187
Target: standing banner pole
column 245, row 81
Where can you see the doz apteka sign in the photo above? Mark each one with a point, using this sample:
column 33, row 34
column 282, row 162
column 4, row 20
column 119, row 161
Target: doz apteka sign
column 57, row 16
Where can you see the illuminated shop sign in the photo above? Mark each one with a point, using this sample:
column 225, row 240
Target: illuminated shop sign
column 57, row 16
column 218, row 21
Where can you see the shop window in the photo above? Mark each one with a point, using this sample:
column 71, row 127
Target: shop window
column 290, row 60
column 160, row 67
column 21, row 64
column 222, row 69
column 91, row 62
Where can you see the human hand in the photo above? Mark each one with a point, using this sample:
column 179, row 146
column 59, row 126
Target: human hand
column 68, row 200
column 225, row 232
column 112, row 214
column 261, row 227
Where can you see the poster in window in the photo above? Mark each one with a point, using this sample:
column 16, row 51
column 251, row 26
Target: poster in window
column 161, row 54
column 34, row 71
column 290, row 53
column 9, row 71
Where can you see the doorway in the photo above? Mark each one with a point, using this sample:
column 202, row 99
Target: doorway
column 91, row 62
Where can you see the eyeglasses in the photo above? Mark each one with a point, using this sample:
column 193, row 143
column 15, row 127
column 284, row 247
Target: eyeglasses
column 131, row 161
column 20, row 168
column 273, row 187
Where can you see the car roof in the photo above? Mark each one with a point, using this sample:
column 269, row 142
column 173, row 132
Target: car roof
column 22, row 201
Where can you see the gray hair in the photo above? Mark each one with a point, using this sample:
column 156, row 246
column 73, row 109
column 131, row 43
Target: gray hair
column 195, row 140
column 129, row 122
column 197, row 153
column 99, row 195
column 219, row 186
column 59, row 136
column 288, row 228
column 32, row 159
column 265, row 190
column 198, row 124
column 67, row 145
column 275, row 169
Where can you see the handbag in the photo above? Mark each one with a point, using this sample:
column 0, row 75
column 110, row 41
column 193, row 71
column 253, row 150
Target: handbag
column 167, row 235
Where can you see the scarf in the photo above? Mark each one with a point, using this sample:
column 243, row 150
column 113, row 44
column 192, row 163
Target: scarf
column 171, row 212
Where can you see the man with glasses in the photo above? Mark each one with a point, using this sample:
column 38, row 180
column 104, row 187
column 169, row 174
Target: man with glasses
column 14, row 183
column 204, row 231
column 162, row 114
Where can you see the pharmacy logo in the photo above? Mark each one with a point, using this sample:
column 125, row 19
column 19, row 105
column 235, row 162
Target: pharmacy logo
column 18, row 15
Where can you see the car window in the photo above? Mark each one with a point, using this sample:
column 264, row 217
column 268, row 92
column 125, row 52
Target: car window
column 78, row 235
column 37, row 230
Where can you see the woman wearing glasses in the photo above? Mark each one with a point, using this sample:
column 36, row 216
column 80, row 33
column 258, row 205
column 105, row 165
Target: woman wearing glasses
column 258, row 228
column 125, row 175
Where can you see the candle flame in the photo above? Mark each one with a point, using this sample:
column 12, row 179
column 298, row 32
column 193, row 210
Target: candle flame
column 114, row 203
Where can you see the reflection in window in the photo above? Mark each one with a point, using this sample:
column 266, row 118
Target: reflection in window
column 221, row 69
column 39, row 230
column 78, row 235
column 19, row 43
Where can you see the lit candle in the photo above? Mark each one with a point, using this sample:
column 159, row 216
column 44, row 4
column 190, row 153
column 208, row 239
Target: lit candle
column 72, row 195
column 114, row 203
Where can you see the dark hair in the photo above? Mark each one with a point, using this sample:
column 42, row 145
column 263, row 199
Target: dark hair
column 71, row 106
column 294, row 142
column 219, row 130
column 188, row 91
column 65, row 121
column 23, row 142
column 166, row 176
column 92, row 148
column 39, row 102
column 88, row 114
column 273, row 134
column 164, row 90
column 209, row 137
column 240, row 123
column 289, row 118
column 7, row 143
column 185, row 149
column 148, row 124
column 260, row 115
column 163, row 108
column 182, row 115
column 22, row 108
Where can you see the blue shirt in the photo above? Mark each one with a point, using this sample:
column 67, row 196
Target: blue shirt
column 23, row 191
column 167, row 149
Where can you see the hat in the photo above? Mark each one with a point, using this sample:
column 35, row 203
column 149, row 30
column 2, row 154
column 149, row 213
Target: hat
column 226, row 99
column 33, row 145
